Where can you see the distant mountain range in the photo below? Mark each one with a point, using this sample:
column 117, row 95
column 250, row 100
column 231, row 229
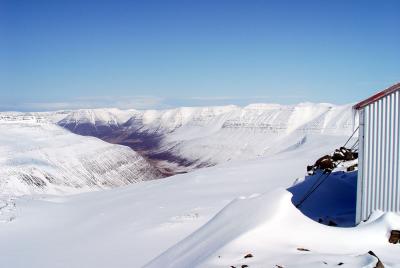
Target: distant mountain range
column 195, row 137
column 163, row 142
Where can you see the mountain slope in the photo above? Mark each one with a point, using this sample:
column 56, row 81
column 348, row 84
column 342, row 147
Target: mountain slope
column 130, row 226
column 257, row 130
column 203, row 136
column 95, row 122
column 37, row 157
column 165, row 142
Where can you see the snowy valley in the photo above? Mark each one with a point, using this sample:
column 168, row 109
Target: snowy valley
column 245, row 172
column 193, row 137
column 199, row 134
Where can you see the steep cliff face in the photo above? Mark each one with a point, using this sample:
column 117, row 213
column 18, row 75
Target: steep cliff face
column 39, row 157
column 200, row 136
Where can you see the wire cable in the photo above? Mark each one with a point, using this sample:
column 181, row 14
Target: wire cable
column 328, row 173
column 351, row 136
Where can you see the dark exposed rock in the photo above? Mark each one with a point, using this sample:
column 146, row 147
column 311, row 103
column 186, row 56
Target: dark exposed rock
column 352, row 168
column 394, row 237
column 328, row 162
column 338, row 156
column 248, row 256
column 33, row 180
column 348, row 156
column 325, row 163
column 302, row 249
column 379, row 263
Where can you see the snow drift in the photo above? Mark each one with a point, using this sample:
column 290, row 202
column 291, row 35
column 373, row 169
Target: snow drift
column 276, row 234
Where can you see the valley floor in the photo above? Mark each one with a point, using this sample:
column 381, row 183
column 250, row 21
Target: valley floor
column 208, row 218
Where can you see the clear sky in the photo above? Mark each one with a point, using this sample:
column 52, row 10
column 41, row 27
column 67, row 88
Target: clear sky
column 60, row 54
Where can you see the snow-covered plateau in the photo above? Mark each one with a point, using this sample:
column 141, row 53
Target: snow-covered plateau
column 241, row 212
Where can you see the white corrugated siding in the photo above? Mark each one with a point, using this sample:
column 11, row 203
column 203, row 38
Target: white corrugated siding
column 379, row 153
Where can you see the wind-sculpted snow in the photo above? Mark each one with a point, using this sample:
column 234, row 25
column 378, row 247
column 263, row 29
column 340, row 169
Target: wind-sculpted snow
column 204, row 136
column 268, row 231
column 37, row 157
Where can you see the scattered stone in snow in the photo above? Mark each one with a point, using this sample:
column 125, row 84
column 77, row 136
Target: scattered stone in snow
column 248, row 256
column 344, row 154
column 302, row 249
column 379, row 264
column 352, row 168
column 325, row 163
column 394, row 237
column 244, row 266
column 340, row 263
column 329, row 162
column 338, row 155
column 310, row 168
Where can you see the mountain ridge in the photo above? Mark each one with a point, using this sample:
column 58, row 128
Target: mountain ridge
column 169, row 142
column 199, row 134
column 39, row 157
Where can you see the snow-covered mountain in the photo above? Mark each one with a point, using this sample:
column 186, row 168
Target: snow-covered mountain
column 203, row 136
column 164, row 142
column 210, row 218
column 213, row 217
column 40, row 157
column 95, row 122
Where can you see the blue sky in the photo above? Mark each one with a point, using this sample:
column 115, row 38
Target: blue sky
column 157, row 54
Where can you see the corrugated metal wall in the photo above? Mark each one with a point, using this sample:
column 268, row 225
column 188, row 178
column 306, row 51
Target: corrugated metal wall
column 379, row 153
